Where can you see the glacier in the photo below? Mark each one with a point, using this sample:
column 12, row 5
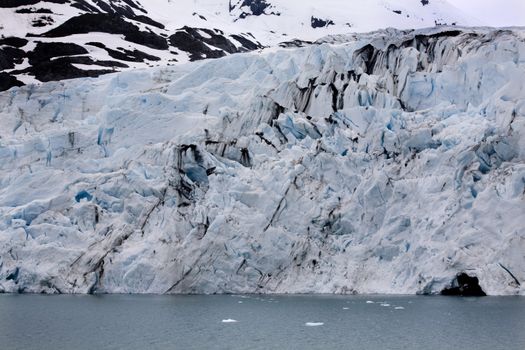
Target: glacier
column 383, row 162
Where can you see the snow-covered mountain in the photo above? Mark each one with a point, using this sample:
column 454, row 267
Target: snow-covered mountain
column 44, row 40
column 390, row 162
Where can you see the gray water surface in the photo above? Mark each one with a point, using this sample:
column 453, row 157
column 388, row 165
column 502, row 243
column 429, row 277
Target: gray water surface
column 264, row 322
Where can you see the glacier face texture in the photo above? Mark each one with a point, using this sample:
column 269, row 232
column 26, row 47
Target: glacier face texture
column 387, row 162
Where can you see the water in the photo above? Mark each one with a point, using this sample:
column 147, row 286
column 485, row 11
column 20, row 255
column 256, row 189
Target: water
column 263, row 322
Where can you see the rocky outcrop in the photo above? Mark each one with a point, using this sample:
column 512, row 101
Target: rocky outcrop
column 131, row 39
column 131, row 34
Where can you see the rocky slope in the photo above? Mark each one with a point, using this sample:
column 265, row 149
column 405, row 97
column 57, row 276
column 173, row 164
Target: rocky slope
column 48, row 40
column 389, row 162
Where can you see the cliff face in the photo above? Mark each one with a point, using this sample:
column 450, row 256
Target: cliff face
column 388, row 162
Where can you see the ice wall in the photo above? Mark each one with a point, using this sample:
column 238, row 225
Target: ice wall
column 387, row 162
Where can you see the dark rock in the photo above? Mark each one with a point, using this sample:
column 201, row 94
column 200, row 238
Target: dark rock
column 114, row 7
column 8, row 81
column 18, row 3
column 42, row 21
column 190, row 40
column 295, row 43
column 464, row 285
column 13, row 41
column 107, row 23
column 257, row 7
column 147, row 20
column 217, row 39
column 195, row 47
column 33, row 10
column 45, row 51
column 320, row 23
column 126, row 55
column 124, row 8
column 446, row 33
column 10, row 56
column 246, row 43
column 84, row 6
column 200, row 16
column 133, row 4
column 63, row 68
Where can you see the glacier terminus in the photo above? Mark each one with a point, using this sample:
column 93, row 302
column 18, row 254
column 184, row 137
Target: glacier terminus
column 382, row 162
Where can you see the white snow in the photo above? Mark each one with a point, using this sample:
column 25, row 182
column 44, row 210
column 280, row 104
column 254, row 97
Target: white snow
column 295, row 16
column 294, row 22
column 236, row 175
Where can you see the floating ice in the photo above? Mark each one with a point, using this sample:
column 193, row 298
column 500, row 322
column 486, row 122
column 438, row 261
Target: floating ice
column 369, row 302
column 314, row 324
column 399, row 308
column 229, row 320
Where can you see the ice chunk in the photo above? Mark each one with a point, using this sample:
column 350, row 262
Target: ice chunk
column 313, row 324
column 229, row 320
